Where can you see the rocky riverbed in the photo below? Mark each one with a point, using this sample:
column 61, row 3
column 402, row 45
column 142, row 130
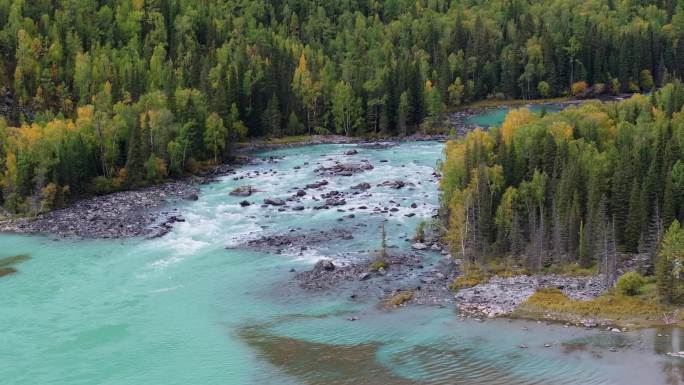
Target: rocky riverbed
column 371, row 279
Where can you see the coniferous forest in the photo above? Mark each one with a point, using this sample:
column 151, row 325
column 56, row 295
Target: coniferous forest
column 579, row 187
column 99, row 96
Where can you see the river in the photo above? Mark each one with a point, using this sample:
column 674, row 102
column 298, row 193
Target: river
column 192, row 308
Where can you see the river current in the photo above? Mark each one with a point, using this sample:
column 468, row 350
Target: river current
column 192, row 308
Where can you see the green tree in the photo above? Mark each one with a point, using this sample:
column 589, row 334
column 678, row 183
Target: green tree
column 669, row 264
column 215, row 135
column 346, row 108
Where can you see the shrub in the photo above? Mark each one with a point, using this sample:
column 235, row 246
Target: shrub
column 579, row 88
column 378, row 264
column 552, row 300
column 544, row 89
column 399, row 299
column 156, row 169
column 49, row 194
column 630, row 283
column 100, row 185
column 472, row 276
column 420, row 232
column 599, row 88
column 120, row 179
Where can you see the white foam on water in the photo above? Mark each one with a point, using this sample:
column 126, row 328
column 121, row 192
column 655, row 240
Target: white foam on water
column 165, row 289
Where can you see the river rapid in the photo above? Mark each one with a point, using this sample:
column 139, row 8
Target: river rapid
column 194, row 307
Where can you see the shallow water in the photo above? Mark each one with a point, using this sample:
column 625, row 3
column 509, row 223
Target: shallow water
column 183, row 309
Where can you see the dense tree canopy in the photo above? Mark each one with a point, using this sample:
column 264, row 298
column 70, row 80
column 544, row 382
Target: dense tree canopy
column 124, row 92
column 574, row 187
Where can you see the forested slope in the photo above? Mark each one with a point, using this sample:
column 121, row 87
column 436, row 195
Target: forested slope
column 121, row 93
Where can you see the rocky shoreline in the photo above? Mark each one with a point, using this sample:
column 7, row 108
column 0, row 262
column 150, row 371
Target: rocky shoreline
column 502, row 296
column 119, row 215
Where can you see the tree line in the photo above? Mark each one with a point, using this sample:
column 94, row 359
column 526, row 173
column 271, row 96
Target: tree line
column 106, row 95
column 581, row 186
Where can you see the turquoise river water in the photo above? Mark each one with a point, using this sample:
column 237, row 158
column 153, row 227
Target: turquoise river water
column 185, row 309
column 495, row 115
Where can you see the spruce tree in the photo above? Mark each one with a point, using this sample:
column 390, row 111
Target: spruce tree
column 135, row 161
column 634, row 219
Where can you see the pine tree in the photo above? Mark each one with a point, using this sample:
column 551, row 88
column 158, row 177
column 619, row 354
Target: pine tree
column 517, row 236
column 653, row 234
column 634, row 219
column 574, row 226
column 670, row 254
column 669, row 202
column 135, row 161
column 383, row 242
column 585, row 252
column 271, row 119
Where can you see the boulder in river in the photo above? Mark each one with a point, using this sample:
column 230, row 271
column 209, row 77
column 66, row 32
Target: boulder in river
column 243, row 191
column 395, row 184
column 191, row 197
column 351, row 152
column 344, row 169
column 363, row 186
column 245, row 203
column 318, row 184
column 377, row 145
column 335, row 201
column 324, row 265
column 419, row 246
column 274, row 202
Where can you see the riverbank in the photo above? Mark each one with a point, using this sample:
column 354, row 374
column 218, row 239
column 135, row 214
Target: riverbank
column 584, row 301
column 144, row 212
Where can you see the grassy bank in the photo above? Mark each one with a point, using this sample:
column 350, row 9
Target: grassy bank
column 612, row 308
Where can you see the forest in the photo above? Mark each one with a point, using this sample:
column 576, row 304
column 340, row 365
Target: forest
column 584, row 186
column 99, row 96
